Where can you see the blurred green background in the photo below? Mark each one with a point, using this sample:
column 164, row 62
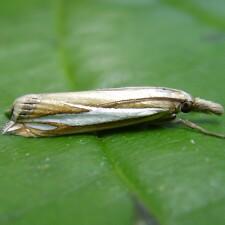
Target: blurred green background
column 176, row 173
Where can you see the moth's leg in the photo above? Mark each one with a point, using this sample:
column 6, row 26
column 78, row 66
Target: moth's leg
column 198, row 128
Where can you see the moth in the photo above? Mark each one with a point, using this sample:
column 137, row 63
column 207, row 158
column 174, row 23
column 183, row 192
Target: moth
column 55, row 114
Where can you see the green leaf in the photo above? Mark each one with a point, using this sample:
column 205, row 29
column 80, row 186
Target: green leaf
column 89, row 179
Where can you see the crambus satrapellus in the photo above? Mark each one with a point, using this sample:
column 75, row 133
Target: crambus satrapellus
column 58, row 114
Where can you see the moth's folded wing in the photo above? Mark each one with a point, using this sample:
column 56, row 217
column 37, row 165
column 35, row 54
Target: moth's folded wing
column 97, row 116
column 93, row 120
column 33, row 106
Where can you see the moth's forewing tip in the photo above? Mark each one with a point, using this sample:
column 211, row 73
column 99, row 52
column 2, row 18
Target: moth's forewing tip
column 12, row 128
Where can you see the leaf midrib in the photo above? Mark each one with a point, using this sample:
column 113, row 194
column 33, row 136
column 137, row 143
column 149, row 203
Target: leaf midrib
column 130, row 185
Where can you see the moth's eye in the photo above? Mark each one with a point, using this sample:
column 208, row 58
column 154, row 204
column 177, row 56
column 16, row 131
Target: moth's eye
column 186, row 107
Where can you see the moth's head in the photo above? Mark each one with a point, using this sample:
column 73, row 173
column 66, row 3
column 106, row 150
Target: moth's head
column 201, row 105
